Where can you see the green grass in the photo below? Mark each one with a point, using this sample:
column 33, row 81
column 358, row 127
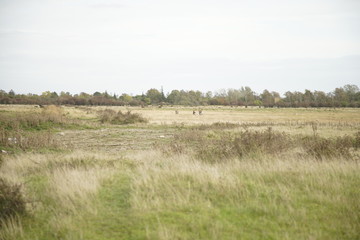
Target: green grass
column 114, row 218
column 162, row 198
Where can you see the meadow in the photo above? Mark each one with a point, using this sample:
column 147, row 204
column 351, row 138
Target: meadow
column 148, row 173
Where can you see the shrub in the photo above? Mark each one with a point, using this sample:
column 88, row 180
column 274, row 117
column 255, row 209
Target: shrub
column 113, row 117
column 11, row 200
column 213, row 146
column 322, row 148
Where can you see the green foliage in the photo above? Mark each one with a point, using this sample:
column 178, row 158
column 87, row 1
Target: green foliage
column 347, row 96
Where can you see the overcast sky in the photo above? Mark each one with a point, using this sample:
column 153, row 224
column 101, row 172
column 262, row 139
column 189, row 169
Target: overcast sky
column 130, row 46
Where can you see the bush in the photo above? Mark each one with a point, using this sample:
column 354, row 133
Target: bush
column 322, row 148
column 11, row 200
column 213, row 146
column 113, row 117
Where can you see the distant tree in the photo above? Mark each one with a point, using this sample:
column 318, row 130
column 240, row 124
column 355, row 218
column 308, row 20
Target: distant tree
column 351, row 92
column 341, row 99
column 2, row 93
column 267, row 99
column 320, row 99
column 67, row 94
column 248, row 96
column 126, row 98
column 347, row 96
column 11, row 93
column 54, row 95
column 46, row 94
column 308, row 99
column 154, row 95
column 174, row 97
column 106, row 94
column 276, row 98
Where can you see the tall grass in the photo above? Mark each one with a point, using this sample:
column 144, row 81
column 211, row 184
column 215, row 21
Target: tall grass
column 219, row 145
column 149, row 195
column 271, row 198
column 58, row 187
column 49, row 117
column 31, row 130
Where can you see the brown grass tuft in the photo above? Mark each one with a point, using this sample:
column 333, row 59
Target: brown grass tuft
column 113, row 117
column 11, row 200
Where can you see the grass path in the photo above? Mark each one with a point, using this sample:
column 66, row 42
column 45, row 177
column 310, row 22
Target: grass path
column 114, row 218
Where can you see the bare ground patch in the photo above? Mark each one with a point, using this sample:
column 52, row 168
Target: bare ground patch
column 114, row 139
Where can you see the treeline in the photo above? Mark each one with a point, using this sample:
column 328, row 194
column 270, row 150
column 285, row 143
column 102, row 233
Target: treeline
column 347, row 96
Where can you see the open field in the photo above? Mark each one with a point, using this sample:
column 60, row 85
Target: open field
column 230, row 173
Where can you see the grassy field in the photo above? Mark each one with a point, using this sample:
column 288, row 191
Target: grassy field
column 230, row 173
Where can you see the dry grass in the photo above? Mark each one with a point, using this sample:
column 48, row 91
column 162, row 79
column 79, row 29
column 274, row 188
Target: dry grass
column 274, row 193
column 213, row 144
column 113, row 117
column 180, row 197
column 71, row 178
column 12, row 229
column 157, row 173
column 76, row 188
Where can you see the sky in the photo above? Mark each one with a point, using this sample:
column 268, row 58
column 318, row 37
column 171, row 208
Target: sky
column 130, row 46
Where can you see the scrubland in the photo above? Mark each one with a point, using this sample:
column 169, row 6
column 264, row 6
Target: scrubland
column 148, row 173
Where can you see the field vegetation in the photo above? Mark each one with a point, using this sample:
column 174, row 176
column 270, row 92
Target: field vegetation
column 149, row 173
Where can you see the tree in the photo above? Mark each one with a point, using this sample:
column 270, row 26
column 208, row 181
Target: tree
column 308, row 98
column 276, row 98
column 341, row 98
column 351, row 91
column 126, row 98
column 320, row 99
column 54, row 95
column 267, row 98
column 11, row 93
column 154, row 95
column 249, row 95
column 174, row 97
